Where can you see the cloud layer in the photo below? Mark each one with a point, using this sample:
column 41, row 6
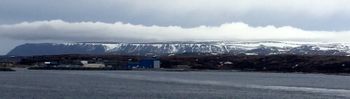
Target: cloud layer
column 171, row 20
column 59, row 30
column 306, row 14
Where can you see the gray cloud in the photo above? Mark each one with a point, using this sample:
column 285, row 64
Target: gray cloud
column 93, row 20
column 59, row 30
column 306, row 14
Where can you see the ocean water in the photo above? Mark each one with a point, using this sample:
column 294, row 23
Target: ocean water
column 27, row 84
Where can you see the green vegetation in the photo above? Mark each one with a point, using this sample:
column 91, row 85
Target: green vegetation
column 272, row 63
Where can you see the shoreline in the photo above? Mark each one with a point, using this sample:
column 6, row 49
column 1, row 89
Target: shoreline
column 174, row 70
column 2, row 69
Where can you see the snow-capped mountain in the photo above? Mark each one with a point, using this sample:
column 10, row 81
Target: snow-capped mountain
column 168, row 48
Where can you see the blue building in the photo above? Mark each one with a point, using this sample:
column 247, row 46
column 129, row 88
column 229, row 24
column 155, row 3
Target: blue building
column 145, row 64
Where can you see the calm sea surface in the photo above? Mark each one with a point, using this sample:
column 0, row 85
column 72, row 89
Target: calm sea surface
column 26, row 84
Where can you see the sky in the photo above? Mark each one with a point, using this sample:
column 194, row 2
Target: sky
column 39, row 21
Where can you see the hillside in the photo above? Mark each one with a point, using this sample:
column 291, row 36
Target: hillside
column 170, row 48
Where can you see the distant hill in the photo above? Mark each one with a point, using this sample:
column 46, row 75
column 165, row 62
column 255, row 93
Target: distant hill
column 171, row 48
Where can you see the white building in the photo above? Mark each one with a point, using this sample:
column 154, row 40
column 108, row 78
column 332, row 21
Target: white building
column 92, row 65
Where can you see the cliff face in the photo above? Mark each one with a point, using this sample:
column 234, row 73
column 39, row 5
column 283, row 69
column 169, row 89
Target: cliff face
column 167, row 48
column 55, row 49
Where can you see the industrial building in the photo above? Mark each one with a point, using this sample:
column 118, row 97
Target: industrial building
column 92, row 65
column 144, row 64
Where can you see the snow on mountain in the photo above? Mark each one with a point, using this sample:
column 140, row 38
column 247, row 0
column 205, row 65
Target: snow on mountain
column 165, row 48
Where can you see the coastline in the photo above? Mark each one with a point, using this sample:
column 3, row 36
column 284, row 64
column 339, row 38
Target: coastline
column 6, row 69
column 170, row 70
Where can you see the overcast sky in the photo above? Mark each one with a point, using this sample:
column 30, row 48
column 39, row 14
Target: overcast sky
column 25, row 21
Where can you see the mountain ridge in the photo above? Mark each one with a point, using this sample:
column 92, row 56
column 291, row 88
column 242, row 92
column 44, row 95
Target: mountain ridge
column 170, row 48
